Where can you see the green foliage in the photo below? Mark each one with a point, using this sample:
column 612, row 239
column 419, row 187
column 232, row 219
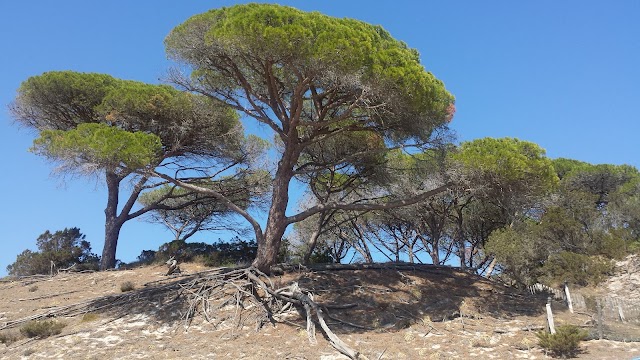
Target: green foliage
column 564, row 167
column 138, row 121
column 509, row 161
column 146, row 257
column 565, row 342
column 359, row 156
column 42, row 329
column 127, row 286
column 185, row 123
column 220, row 253
column 576, row 269
column 64, row 248
column 590, row 219
column 321, row 255
column 293, row 42
column 61, row 99
column 554, row 250
column 601, row 181
column 101, row 145
column 612, row 246
column 285, row 254
column 518, row 252
column 94, row 123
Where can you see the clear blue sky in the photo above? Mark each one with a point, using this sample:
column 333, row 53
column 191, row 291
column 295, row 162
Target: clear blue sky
column 563, row 74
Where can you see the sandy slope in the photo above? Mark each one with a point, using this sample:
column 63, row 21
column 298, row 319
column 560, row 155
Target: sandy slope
column 408, row 314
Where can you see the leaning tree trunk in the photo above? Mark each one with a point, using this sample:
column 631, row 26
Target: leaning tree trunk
column 313, row 240
column 492, row 266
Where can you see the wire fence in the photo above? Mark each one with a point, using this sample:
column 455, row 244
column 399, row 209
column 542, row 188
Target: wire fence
column 611, row 317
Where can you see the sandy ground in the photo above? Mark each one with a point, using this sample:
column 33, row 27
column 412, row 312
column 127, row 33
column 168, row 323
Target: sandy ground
column 401, row 314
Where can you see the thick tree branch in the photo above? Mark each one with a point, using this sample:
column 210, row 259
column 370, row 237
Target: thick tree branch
column 223, row 199
column 362, row 207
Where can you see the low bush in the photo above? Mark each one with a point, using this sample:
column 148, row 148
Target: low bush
column 59, row 250
column 42, row 329
column 127, row 286
column 88, row 317
column 9, row 337
column 221, row 253
column 564, row 343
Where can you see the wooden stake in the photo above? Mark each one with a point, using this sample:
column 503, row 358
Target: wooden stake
column 599, row 308
column 620, row 313
column 566, row 291
column 552, row 328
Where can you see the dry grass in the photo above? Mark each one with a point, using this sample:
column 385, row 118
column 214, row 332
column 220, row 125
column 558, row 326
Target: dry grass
column 42, row 329
column 127, row 286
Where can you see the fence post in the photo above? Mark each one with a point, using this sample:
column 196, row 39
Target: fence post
column 620, row 313
column 566, row 291
column 552, row 328
column 599, row 309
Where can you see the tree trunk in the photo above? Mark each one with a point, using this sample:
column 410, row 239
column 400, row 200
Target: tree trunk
column 460, row 239
column 269, row 244
column 492, row 266
column 363, row 249
column 111, row 235
column 313, row 240
column 435, row 255
column 410, row 252
column 112, row 223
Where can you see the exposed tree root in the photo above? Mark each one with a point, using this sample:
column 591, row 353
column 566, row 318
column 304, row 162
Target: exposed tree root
column 255, row 297
column 227, row 298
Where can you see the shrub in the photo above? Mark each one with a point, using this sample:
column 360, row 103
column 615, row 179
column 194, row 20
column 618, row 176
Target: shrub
column 221, row 253
column 146, row 257
column 28, row 352
column 576, row 269
column 127, row 286
column 42, row 329
column 565, row 342
column 63, row 248
column 88, row 317
column 9, row 337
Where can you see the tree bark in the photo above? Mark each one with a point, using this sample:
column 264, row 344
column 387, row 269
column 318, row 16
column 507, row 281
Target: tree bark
column 313, row 240
column 111, row 236
column 492, row 266
column 269, row 243
column 460, row 239
column 112, row 223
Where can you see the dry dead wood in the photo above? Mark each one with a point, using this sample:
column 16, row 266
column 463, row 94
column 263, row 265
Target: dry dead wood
column 226, row 297
column 253, row 297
